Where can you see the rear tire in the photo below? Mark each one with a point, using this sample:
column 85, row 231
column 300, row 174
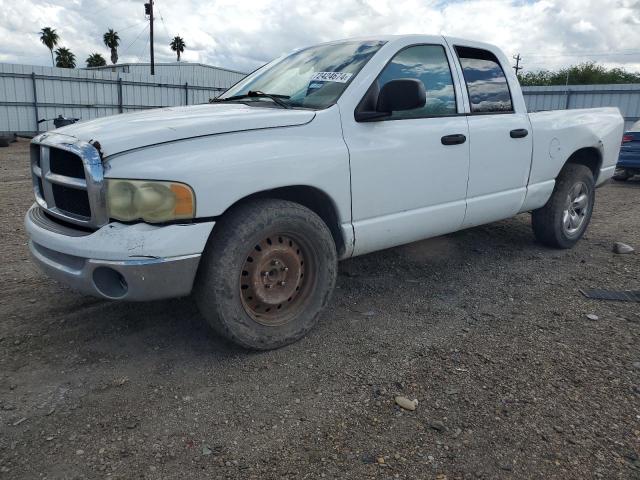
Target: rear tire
column 565, row 217
column 268, row 270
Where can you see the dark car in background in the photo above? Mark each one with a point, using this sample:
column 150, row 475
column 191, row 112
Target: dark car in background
column 629, row 159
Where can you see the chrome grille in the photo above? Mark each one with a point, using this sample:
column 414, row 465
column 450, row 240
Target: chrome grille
column 65, row 163
column 68, row 180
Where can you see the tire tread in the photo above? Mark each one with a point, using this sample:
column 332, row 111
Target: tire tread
column 236, row 225
column 546, row 220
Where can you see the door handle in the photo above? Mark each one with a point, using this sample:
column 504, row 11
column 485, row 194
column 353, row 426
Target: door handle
column 519, row 133
column 456, row 139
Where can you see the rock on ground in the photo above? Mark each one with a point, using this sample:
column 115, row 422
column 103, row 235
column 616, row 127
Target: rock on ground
column 622, row 248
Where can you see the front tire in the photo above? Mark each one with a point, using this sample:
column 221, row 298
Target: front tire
column 565, row 217
column 268, row 270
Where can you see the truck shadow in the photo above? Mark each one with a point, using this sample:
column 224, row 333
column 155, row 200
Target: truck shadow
column 630, row 182
column 177, row 324
column 166, row 333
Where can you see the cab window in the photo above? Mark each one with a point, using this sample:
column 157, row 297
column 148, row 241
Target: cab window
column 429, row 64
column 486, row 82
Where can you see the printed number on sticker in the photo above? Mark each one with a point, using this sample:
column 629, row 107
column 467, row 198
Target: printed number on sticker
column 339, row 77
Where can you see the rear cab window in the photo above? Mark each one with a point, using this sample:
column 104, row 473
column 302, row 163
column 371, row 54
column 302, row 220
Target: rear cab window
column 485, row 81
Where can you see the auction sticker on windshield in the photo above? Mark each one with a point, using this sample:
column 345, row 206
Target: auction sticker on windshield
column 340, row 77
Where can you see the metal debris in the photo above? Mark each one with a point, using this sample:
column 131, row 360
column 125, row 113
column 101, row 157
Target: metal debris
column 618, row 295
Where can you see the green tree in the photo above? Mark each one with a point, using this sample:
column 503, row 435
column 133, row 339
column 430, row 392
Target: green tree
column 64, row 58
column 49, row 38
column 177, row 45
column 96, row 60
column 112, row 41
column 588, row 73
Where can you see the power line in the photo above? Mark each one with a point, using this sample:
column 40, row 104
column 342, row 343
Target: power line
column 135, row 39
column 163, row 24
column 583, row 54
column 141, row 56
column 131, row 26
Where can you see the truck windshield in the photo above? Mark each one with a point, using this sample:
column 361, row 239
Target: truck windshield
column 314, row 77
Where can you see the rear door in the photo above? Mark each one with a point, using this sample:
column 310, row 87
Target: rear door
column 408, row 181
column 500, row 137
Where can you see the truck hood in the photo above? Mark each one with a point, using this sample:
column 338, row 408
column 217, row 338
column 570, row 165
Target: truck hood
column 120, row 133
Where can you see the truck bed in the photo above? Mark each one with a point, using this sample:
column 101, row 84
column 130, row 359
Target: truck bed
column 558, row 133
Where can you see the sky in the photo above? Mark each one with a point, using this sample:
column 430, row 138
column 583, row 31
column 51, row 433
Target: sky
column 242, row 35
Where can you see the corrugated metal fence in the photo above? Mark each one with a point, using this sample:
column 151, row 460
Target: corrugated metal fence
column 625, row 97
column 29, row 93
column 181, row 72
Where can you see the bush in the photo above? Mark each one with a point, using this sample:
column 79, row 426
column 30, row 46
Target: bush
column 588, row 73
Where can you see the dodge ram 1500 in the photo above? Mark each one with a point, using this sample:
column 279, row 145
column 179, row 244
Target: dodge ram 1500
column 333, row 151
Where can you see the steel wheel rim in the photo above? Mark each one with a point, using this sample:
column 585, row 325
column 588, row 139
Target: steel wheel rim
column 276, row 279
column 576, row 210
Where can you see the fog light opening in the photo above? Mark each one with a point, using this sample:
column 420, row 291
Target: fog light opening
column 109, row 282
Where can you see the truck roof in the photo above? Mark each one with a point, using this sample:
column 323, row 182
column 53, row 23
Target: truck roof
column 419, row 38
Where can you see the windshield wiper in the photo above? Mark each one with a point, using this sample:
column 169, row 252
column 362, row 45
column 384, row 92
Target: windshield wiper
column 277, row 99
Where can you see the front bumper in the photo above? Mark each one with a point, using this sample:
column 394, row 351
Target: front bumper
column 118, row 261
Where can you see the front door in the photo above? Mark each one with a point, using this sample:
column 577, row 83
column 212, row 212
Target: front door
column 409, row 171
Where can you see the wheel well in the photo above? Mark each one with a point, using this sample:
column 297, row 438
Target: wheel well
column 590, row 157
column 312, row 198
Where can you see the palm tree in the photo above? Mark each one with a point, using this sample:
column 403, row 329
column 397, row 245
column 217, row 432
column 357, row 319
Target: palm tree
column 112, row 40
column 64, row 58
column 96, row 60
column 50, row 38
column 177, row 45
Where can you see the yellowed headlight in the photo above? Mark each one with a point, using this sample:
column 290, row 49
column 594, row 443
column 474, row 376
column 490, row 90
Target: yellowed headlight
column 151, row 201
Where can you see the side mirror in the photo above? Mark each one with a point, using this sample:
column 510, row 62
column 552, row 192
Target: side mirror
column 401, row 94
column 396, row 95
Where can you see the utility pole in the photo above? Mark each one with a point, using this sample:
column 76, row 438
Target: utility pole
column 517, row 68
column 148, row 10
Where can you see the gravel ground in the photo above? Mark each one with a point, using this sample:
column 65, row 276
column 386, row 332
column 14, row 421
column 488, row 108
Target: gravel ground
column 484, row 327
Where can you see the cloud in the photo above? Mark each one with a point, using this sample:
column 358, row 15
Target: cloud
column 244, row 35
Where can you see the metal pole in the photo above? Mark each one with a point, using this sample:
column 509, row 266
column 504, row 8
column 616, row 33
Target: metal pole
column 120, row 94
column 151, row 35
column 35, row 100
column 186, row 93
column 517, row 68
column 566, row 85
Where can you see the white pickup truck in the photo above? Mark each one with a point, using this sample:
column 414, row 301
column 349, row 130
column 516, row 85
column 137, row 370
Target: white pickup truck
column 330, row 152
